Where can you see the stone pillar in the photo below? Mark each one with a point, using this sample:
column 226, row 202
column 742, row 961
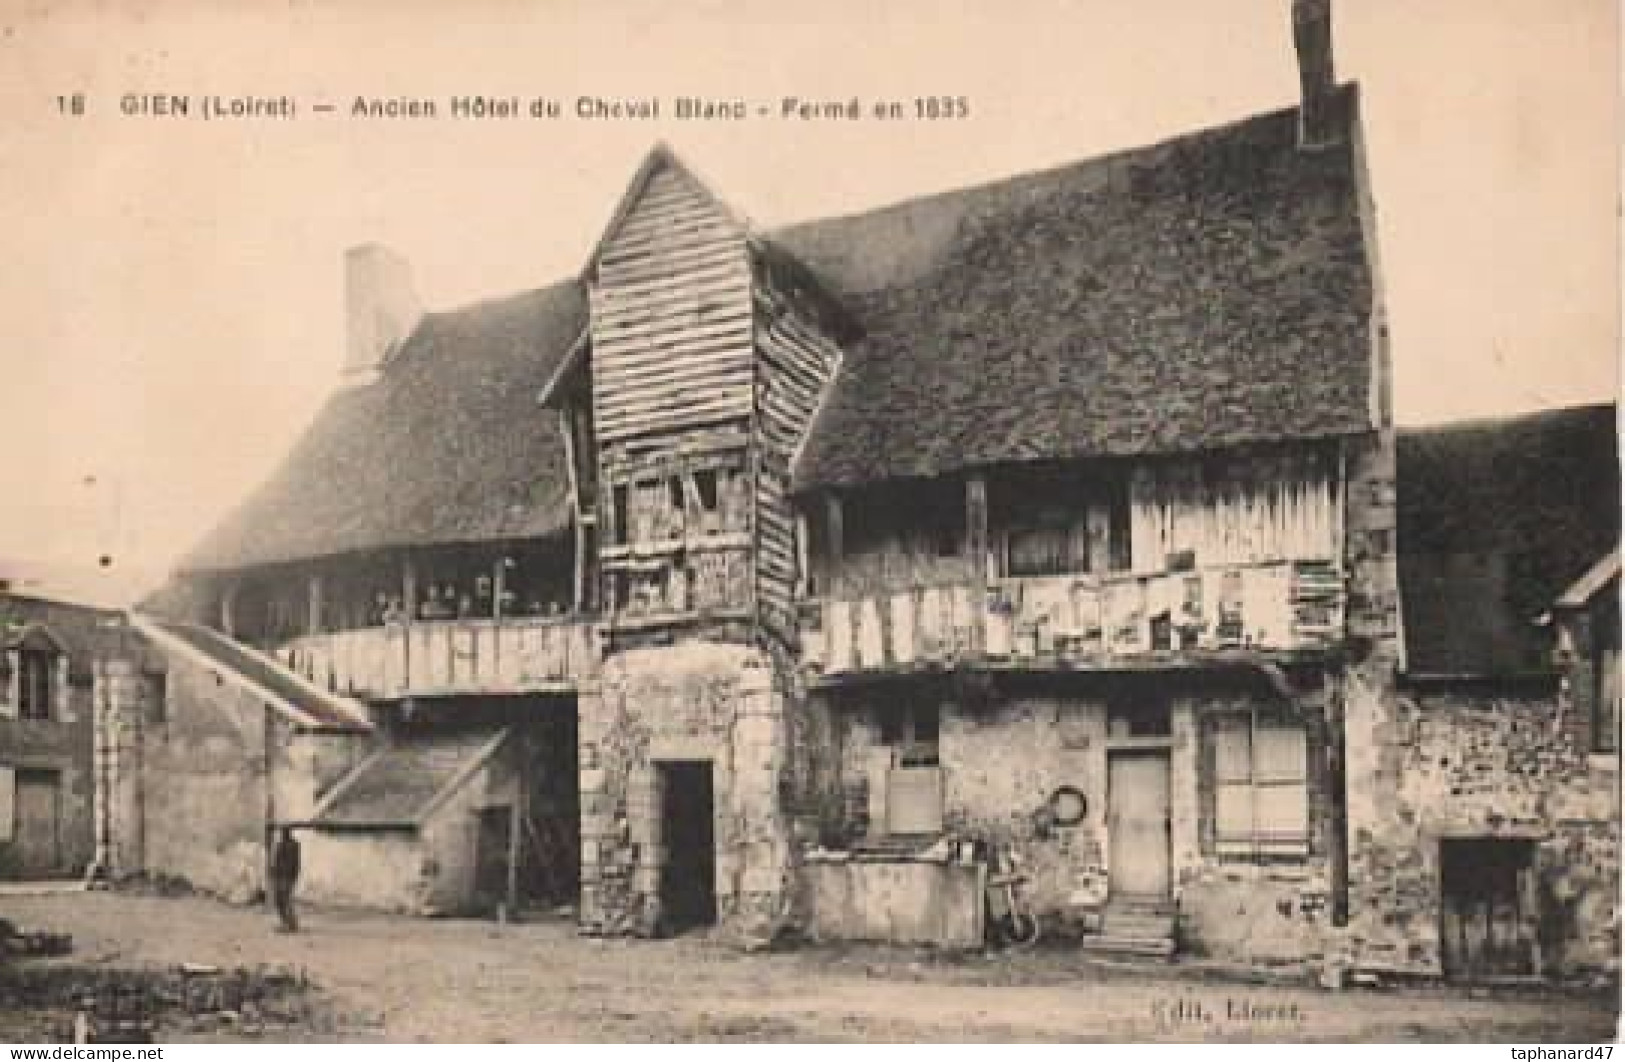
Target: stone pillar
column 117, row 762
column 695, row 701
column 1385, row 859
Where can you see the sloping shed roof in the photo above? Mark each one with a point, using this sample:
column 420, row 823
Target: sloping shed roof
column 288, row 692
column 1202, row 292
column 1496, row 519
column 403, row 782
column 447, row 445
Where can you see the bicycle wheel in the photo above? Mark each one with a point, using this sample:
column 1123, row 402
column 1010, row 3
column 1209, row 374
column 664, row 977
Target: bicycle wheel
column 1021, row 929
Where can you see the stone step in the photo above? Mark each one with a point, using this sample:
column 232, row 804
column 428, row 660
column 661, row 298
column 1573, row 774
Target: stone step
column 1115, row 944
column 1138, row 925
column 1155, row 905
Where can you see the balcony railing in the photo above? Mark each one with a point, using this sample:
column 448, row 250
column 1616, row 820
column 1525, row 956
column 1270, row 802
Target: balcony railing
column 1081, row 621
column 441, row 657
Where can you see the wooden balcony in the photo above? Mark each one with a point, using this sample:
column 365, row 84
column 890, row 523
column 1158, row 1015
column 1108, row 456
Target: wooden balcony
column 1229, row 613
column 433, row 658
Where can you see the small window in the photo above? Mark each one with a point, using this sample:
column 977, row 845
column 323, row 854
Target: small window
column 36, row 683
column 157, row 698
column 1260, row 786
column 1132, row 719
column 705, row 483
column 1043, row 551
column 912, row 733
column 618, row 521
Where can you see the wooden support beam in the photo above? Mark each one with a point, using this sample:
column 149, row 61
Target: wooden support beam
column 228, row 609
column 804, row 580
column 313, row 605
column 834, row 520
column 1337, row 785
column 976, row 558
column 409, row 610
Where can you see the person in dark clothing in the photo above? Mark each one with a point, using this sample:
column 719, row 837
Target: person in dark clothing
column 284, row 876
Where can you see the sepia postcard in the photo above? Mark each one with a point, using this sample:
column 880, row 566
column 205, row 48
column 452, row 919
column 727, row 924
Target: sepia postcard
column 1037, row 521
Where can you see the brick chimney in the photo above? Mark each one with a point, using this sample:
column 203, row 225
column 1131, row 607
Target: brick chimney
column 381, row 309
column 1312, row 37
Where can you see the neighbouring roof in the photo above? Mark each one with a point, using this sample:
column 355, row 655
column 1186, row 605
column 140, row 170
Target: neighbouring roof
column 1496, row 520
column 1206, row 291
column 84, row 633
column 447, row 445
column 306, row 704
column 402, row 783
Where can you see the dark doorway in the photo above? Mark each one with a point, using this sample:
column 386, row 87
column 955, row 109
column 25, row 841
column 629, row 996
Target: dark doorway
column 550, row 848
column 493, row 843
column 688, row 878
column 1489, row 915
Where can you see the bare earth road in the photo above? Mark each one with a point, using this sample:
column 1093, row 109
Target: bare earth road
column 405, row 979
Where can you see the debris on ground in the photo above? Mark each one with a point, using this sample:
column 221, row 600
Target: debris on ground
column 18, row 944
column 81, row 1004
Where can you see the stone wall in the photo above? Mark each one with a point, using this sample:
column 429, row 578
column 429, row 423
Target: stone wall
column 374, row 869
column 1004, row 756
column 728, row 705
column 1487, row 762
column 195, row 788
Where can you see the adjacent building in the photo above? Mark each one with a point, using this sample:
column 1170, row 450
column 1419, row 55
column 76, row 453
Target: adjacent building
column 49, row 652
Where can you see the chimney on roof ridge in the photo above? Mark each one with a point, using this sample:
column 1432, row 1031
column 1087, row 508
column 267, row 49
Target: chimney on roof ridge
column 1312, row 38
column 381, row 309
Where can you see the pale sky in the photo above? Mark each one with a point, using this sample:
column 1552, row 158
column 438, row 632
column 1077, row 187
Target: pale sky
column 173, row 288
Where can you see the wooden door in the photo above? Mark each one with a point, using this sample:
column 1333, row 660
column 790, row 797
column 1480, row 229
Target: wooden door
column 1139, row 824
column 38, row 829
column 1489, row 911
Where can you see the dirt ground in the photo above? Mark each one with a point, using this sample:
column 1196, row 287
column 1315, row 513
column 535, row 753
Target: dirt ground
column 400, row 979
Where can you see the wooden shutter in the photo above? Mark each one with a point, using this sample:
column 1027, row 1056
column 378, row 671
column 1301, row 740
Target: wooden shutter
column 1232, row 782
column 1281, row 790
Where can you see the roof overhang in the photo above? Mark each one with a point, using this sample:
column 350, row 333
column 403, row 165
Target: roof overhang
column 1599, row 575
column 352, row 712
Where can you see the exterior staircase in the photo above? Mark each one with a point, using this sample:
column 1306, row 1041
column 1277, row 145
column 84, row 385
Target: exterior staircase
column 1138, row 927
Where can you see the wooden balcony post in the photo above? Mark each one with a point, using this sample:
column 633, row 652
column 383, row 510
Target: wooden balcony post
column 976, row 557
column 409, row 608
column 313, row 605
column 835, row 521
column 499, row 580
column 228, row 602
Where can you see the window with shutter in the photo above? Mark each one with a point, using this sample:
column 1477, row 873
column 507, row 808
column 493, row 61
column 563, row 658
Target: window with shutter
column 1260, row 786
column 36, row 684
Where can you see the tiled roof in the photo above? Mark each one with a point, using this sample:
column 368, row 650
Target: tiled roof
column 1207, row 291
column 447, row 445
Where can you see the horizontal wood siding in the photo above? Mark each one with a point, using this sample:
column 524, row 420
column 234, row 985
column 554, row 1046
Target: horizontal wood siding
column 671, row 316
column 795, row 366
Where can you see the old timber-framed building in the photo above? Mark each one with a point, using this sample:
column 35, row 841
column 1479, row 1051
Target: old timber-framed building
column 786, row 580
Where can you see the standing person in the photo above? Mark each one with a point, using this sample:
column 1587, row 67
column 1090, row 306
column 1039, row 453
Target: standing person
column 284, row 876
